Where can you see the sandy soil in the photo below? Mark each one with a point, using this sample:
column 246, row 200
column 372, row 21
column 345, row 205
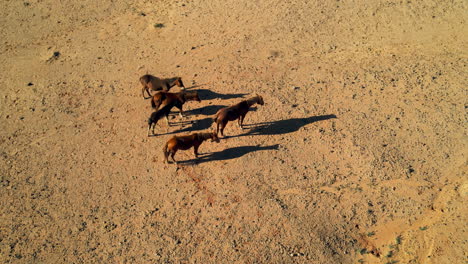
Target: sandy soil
column 358, row 156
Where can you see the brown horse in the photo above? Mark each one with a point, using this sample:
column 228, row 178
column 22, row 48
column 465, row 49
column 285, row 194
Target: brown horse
column 185, row 142
column 154, row 83
column 237, row 111
column 165, row 98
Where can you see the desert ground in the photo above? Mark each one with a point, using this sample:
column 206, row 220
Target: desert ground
column 359, row 154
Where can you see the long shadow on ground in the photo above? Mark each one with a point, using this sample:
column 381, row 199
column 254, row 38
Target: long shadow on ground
column 227, row 154
column 196, row 125
column 206, row 94
column 205, row 110
column 281, row 126
column 211, row 110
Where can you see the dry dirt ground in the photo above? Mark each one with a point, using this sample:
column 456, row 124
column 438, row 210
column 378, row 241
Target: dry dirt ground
column 359, row 154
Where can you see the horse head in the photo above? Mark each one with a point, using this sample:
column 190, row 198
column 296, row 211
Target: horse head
column 260, row 100
column 214, row 137
column 197, row 98
column 179, row 83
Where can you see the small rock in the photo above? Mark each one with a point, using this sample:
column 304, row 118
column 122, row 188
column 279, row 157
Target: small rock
column 30, row 84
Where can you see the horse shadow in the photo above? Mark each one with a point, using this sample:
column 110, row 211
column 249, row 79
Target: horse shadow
column 206, row 94
column 205, row 110
column 282, row 126
column 195, row 125
column 194, row 86
column 210, row 110
column 227, row 154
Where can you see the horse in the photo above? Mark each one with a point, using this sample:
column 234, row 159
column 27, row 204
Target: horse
column 157, row 115
column 154, row 83
column 166, row 98
column 186, row 142
column 237, row 111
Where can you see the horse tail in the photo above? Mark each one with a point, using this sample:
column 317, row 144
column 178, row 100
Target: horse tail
column 153, row 103
column 166, row 153
column 215, row 116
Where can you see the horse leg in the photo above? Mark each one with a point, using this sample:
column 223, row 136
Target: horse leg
column 167, row 119
column 149, row 129
column 181, row 113
column 143, row 92
column 223, row 125
column 241, row 121
column 172, row 156
column 195, row 150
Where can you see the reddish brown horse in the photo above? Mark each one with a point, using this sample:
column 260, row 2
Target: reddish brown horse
column 154, row 83
column 186, row 142
column 165, row 98
column 237, row 111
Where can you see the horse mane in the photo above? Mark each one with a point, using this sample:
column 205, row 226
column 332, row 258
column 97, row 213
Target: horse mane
column 203, row 136
column 172, row 80
column 189, row 94
column 253, row 100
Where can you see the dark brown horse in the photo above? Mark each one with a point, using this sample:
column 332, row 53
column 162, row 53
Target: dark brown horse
column 165, row 98
column 157, row 115
column 186, row 142
column 237, row 111
column 154, row 83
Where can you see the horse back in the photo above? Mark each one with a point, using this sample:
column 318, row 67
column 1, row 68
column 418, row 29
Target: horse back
column 234, row 112
column 186, row 142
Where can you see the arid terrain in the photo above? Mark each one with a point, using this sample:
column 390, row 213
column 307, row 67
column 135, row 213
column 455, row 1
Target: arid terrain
column 359, row 154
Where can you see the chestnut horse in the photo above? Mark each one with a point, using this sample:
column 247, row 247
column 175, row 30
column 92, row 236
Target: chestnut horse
column 185, row 142
column 237, row 111
column 167, row 98
column 154, row 83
